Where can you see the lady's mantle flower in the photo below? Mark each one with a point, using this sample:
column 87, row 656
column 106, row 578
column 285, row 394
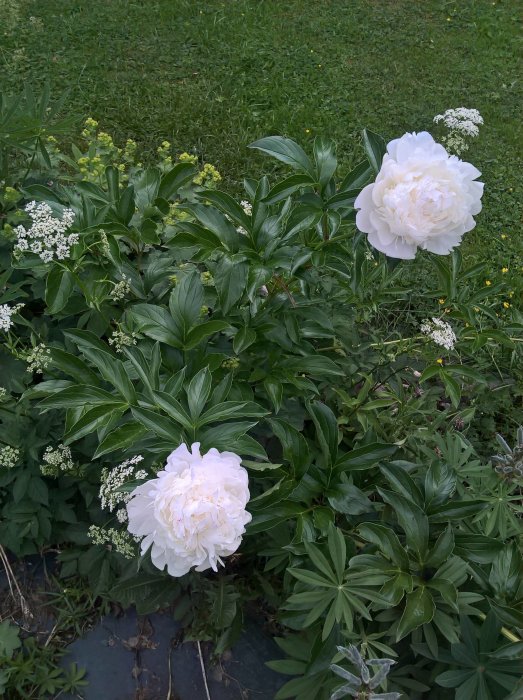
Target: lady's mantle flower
column 422, row 198
column 440, row 332
column 193, row 513
column 47, row 236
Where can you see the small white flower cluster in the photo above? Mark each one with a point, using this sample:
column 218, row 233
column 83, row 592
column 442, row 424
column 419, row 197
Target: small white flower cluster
column 9, row 456
column 47, row 235
column 56, row 461
column 104, row 242
column 38, row 359
column 440, row 332
column 121, row 289
column 246, row 206
column 122, row 542
column 3, row 393
column 120, row 339
column 6, row 312
column 113, row 479
column 462, row 124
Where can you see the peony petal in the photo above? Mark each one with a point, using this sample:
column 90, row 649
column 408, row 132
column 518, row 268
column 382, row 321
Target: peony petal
column 193, row 512
column 396, row 249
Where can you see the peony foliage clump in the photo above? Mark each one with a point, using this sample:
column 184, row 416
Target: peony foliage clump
column 282, row 400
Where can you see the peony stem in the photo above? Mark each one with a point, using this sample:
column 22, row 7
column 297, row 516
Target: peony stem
column 200, row 655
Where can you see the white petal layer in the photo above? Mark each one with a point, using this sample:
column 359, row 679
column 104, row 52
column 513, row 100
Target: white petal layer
column 422, row 198
column 193, row 513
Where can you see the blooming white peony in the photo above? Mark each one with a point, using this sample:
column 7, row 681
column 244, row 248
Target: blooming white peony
column 193, row 513
column 422, row 198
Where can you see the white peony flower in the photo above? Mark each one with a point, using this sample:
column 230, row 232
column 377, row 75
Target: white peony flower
column 193, row 513
column 422, row 198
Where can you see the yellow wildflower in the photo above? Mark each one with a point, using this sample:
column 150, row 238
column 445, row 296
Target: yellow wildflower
column 504, row 270
column 439, row 361
column 488, row 283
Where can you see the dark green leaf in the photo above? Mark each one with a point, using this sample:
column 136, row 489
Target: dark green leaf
column 178, row 176
column 198, row 391
column 326, row 429
column 364, row 457
column 120, row 439
column 159, row 425
column 157, row 323
column 325, row 157
column 419, row 610
column 92, row 420
column 375, row 148
column 285, row 150
column 230, row 277
column 204, row 330
column 287, row 187
column 60, row 284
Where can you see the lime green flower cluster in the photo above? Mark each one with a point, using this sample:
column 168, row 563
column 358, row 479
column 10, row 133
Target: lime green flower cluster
column 10, row 195
column 231, row 363
column 51, row 146
column 102, row 152
column 90, row 128
column 188, row 158
column 175, row 214
column 164, row 151
column 208, row 177
column 92, row 168
column 207, row 279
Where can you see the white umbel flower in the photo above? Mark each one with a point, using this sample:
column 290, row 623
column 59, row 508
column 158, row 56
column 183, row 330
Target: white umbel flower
column 6, row 312
column 422, row 198
column 463, row 124
column 440, row 332
column 47, row 236
column 193, row 513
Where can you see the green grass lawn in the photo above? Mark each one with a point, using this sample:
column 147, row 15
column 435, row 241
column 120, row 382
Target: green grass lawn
column 214, row 76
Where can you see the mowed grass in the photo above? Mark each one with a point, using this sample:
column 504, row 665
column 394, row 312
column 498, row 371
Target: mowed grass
column 214, row 76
